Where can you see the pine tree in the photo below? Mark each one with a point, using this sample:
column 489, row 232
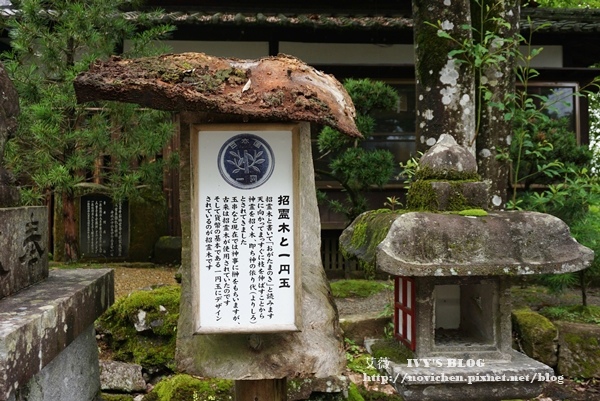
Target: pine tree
column 64, row 149
column 354, row 167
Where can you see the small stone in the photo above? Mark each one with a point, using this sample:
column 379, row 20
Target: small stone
column 141, row 324
column 121, row 376
column 447, row 158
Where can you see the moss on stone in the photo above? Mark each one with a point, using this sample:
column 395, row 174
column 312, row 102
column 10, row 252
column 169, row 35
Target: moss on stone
column 155, row 346
column 582, row 361
column 368, row 230
column 473, row 212
column 354, row 394
column 422, row 196
column 537, row 335
column 184, row 387
column 116, row 397
column 391, row 349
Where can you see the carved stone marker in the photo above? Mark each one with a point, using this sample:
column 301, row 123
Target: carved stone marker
column 24, row 243
column 104, row 227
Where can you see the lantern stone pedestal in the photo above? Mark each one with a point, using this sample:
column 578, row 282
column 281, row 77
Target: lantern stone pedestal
column 452, row 262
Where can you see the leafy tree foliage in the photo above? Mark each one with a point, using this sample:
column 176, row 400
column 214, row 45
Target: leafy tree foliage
column 354, row 167
column 569, row 3
column 64, row 149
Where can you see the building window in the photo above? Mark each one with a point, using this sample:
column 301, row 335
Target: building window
column 558, row 100
column 396, row 130
column 404, row 311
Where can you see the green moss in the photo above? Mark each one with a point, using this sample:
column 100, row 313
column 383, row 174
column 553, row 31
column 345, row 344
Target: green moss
column 426, row 173
column 536, row 334
column 357, row 288
column 422, row 196
column 370, row 395
column 354, row 394
column 153, row 348
column 368, row 230
column 573, row 313
column 583, row 348
column 473, row 212
column 187, row 388
column 391, row 349
column 326, row 397
column 361, row 363
column 531, row 321
column 274, row 99
column 116, row 397
column 360, row 233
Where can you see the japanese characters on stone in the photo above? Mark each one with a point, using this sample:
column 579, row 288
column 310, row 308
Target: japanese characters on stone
column 246, row 250
column 104, row 226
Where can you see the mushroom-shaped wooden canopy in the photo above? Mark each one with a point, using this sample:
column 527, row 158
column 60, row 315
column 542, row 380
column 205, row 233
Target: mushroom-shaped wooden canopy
column 280, row 88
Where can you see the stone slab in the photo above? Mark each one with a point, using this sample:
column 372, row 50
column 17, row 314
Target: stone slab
column 521, row 378
column 71, row 376
column 23, row 240
column 501, row 243
column 578, row 350
column 39, row 322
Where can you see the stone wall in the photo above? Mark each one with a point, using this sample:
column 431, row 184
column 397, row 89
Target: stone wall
column 571, row 348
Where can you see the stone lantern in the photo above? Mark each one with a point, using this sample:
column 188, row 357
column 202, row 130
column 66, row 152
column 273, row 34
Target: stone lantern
column 452, row 262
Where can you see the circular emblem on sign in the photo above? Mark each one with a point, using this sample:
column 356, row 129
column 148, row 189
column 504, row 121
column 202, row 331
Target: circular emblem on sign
column 246, row 161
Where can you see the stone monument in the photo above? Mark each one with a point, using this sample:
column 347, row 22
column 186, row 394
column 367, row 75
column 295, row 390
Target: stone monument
column 48, row 349
column 452, row 262
column 256, row 305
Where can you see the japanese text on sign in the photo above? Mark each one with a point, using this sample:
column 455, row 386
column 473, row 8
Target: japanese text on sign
column 246, row 233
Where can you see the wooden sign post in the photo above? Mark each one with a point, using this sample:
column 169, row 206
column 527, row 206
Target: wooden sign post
column 247, row 276
column 255, row 304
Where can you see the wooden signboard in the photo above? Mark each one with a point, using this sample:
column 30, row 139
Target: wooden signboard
column 246, row 274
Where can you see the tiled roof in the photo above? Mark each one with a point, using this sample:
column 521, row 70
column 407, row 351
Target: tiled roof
column 308, row 20
column 544, row 19
column 563, row 20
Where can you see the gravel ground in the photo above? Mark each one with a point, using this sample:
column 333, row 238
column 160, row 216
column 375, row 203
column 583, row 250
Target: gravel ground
column 129, row 279
column 132, row 278
column 374, row 303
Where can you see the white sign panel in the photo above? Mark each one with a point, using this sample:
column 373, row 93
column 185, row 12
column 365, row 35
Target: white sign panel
column 246, row 201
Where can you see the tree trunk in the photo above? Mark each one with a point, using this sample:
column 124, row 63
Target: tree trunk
column 71, row 245
column 497, row 79
column 583, row 286
column 261, row 390
column 445, row 86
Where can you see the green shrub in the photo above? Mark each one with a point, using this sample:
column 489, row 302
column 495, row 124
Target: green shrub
column 153, row 348
column 188, row 388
